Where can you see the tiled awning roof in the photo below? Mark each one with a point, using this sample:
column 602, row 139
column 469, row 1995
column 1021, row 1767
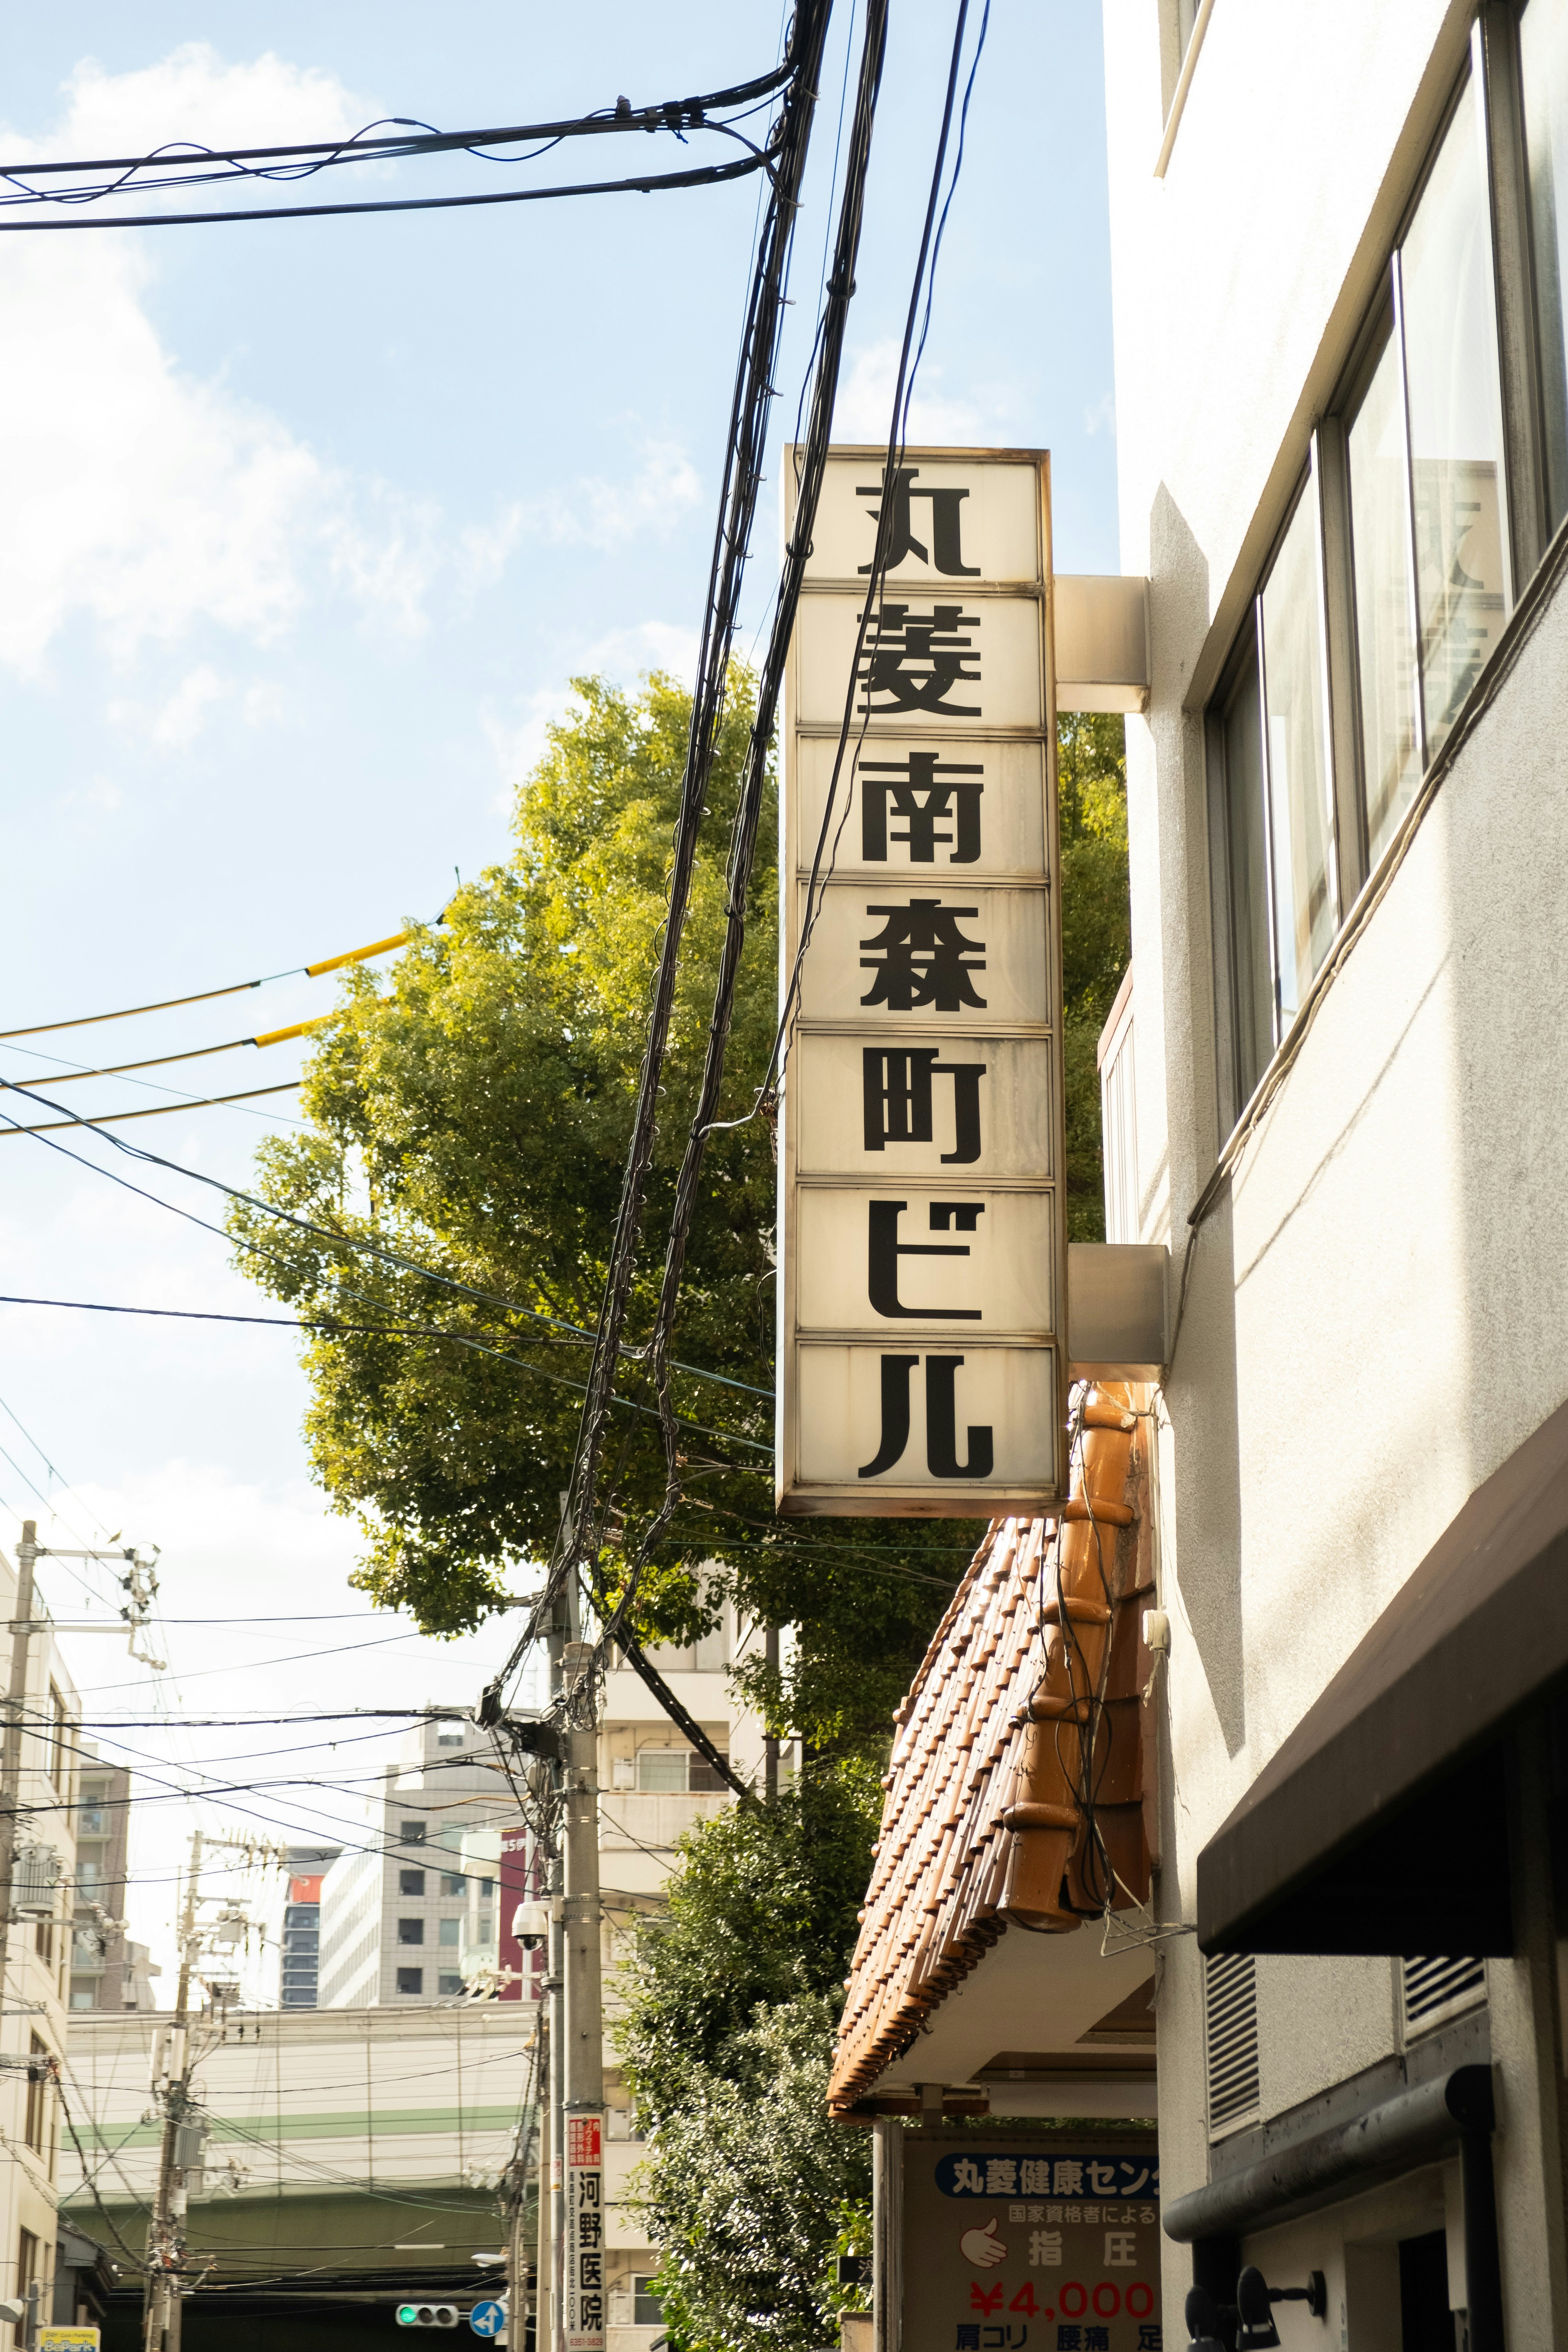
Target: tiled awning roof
column 976, row 1822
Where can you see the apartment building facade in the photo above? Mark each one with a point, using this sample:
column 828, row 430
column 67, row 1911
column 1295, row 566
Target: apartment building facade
column 393, row 1911
column 1342, row 435
column 38, row 1959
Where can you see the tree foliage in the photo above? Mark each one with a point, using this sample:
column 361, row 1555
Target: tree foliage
column 731, row 1999
column 1097, row 944
column 468, row 1110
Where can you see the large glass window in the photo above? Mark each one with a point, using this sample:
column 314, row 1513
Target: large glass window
column 1544, row 54
column 1241, row 730
column 1301, row 809
column 1384, row 603
column 1462, row 584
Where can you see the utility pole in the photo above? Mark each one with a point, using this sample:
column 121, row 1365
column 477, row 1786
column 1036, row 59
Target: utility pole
column 770, row 1742
column 581, row 2323
column 11, row 1747
column 166, row 2223
column 181, row 2153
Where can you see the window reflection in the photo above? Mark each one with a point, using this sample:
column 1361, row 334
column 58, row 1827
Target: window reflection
column 1242, row 728
column 1443, row 274
column 1543, row 46
column 1385, row 642
column 1306, row 904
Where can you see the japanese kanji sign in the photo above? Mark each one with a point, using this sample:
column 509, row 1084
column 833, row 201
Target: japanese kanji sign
column 1044, row 2245
column 584, row 2249
column 921, row 1345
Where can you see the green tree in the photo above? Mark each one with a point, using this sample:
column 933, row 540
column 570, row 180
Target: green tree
column 1097, row 946
column 469, row 1110
column 731, row 1999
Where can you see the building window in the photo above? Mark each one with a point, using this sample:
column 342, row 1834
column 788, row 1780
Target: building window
column 36, row 2122
column 647, row 2311
column 84, row 1992
column 411, row 1832
column 1443, row 274
column 411, row 1931
column 665, row 1769
column 28, row 2272
column 60, row 1766
column 411, row 1980
column 453, row 1883
column 1543, row 59
column 450, row 1931
column 411, row 1881
column 1398, row 552
column 448, row 1984
column 449, row 1738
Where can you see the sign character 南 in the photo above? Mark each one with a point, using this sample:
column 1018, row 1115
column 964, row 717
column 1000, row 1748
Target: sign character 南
column 924, row 958
column 946, row 522
column 930, row 793
column 917, row 659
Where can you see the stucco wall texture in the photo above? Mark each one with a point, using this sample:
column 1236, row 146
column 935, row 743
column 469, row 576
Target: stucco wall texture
column 1378, row 1310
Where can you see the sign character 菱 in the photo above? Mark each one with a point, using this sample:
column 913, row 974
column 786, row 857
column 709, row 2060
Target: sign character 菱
column 916, row 660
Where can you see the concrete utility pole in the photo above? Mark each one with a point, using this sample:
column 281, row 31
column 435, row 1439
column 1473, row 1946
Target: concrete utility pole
column 166, row 2223
column 770, row 1743
column 582, row 2309
column 11, row 1749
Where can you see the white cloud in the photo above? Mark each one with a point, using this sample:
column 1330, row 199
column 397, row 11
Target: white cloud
column 152, row 501
column 183, row 717
column 864, row 407
column 132, row 490
column 1101, row 418
column 519, row 737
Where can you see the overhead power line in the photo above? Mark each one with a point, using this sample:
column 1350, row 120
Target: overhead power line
column 155, row 1110
column 200, row 167
column 207, row 995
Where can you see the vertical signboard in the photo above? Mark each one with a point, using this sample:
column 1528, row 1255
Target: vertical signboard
column 921, row 1348
column 584, row 2234
column 1052, row 2246
column 517, row 1971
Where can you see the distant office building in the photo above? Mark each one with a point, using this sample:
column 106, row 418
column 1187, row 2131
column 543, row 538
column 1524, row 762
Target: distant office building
column 394, row 1917
column 105, row 1970
column 299, row 1968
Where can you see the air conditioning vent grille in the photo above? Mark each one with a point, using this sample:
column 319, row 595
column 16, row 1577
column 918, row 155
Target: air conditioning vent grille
column 1437, row 1989
column 1230, row 2040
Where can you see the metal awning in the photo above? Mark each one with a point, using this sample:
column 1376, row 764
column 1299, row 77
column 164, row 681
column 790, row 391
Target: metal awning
column 1378, row 1826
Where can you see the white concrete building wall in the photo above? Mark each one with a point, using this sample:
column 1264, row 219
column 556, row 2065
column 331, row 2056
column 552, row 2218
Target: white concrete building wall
column 1378, row 1309
column 38, row 1963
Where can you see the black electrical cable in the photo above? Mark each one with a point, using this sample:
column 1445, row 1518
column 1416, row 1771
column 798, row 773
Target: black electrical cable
column 705, row 175
column 743, row 838
column 304, row 1225
column 334, row 1326
column 420, row 139
column 744, row 457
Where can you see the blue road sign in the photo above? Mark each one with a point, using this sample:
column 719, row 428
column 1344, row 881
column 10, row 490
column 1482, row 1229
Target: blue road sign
column 488, row 2319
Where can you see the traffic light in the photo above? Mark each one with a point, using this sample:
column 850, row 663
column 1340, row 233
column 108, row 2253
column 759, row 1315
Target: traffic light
column 426, row 2314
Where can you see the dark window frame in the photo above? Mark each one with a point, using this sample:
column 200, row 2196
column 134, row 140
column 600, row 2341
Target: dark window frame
column 1493, row 68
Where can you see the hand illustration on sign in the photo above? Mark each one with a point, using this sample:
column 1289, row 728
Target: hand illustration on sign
column 983, row 2247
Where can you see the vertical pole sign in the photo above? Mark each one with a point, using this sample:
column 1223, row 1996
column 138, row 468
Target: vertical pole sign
column 584, row 2313
column 921, row 1345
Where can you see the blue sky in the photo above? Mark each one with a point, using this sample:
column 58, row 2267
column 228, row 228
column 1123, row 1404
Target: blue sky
column 309, row 523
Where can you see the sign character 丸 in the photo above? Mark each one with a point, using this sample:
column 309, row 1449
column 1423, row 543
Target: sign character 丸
column 946, row 522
